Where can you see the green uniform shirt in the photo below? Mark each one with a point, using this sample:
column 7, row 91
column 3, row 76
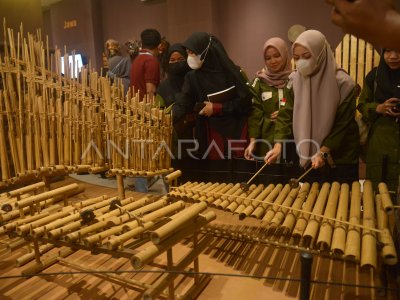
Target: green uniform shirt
column 383, row 142
column 259, row 123
column 343, row 140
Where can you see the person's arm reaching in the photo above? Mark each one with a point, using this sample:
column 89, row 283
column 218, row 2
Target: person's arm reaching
column 376, row 21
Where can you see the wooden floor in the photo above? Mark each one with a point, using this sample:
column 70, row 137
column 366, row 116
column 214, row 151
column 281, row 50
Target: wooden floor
column 241, row 270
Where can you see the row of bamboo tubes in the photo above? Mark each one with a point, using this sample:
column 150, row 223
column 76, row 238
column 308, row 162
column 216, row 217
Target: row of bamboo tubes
column 52, row 123
column 332, row 218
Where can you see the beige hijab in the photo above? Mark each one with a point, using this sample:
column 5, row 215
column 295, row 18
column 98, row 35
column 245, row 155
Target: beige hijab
column 277, row 79
column 317, row 97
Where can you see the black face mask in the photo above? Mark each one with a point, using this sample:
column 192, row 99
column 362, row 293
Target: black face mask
column 178, row 68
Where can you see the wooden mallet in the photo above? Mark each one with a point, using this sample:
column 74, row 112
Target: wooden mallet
column 294, row 182
column 245, row 185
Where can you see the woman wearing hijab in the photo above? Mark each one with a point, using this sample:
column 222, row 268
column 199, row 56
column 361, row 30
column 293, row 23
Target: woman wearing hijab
column 221, row 121
column 379, row 105
column 319, row 113
column 170, row 87
column 269, row 86
column 176, row 69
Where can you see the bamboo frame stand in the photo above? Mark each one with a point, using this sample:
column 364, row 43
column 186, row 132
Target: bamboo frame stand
column 55, row 125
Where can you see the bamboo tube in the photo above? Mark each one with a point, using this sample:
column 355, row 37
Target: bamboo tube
column 388, row 252
column 5, row 171
column 353, row 241
column 291, row 216
column 56, row 233
column 259, row 211
column 26, row 189
column 82, row 168
column 43, row 196
column 205, row 193
column 339, row 233
column 114, row 278
column 243, row 203
column 163, row 281
column 313, row 224
column 67, row 131
column 191, row 192
column 170, row 178
column 43, row 130
column 137, row 213
column 14, row 245
column 177, row 222
column 215, row 200
column 236, row 200
column 368, row 247
column 253, row 204
column 36, row 268
column 65, row 220
column 93, row 202
column 52, row 133
column 133, row 228
column 120, row 186
column 93, row 239
column 222, row 188
column 281, row 212
column 272, row 208
column 224, row 198
column 176, row 192
column 103, row 220
column 143, row 257
column 326, row 229
column 96, row 170
column 386, row 199
column 27, row 227
column 24, row 259
column 197, row 195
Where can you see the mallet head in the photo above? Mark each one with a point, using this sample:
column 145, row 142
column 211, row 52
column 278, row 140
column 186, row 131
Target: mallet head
column 294, row 183
column 244, row 186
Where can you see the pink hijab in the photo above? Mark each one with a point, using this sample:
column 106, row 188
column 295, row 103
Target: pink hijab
column 317, row 97
column 279, row 78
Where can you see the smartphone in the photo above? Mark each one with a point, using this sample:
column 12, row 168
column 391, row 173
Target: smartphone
column 396, row 108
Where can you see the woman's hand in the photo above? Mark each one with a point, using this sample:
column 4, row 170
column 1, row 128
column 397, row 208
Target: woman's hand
column 273, row 155
column 317, row 161
column 387, row 107
column 248, row 153
column 207, row 109
column 274, row 115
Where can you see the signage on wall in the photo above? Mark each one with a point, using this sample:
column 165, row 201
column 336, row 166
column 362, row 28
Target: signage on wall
column 70, row 24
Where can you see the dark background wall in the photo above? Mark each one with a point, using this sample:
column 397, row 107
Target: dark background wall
column 242, row 26
column 27, row 11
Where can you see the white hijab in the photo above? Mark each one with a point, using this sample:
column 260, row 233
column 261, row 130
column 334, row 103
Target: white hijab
column 317, row 97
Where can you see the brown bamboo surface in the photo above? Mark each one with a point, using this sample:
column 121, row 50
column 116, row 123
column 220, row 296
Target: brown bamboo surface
column 325, row 215
column 237, row 255
column 52, row 124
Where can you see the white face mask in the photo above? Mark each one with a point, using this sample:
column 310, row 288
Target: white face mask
column 305, row 66
column 194, row 61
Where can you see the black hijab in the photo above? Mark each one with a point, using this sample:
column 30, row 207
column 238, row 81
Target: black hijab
column 386, row 79
column 176, row 74
column 216, row 60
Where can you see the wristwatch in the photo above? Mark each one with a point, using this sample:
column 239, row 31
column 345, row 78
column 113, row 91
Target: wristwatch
column 324, row 155
column 328, row 158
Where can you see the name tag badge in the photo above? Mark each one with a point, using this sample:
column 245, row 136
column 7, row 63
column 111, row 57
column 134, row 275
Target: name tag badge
column 266, row 95
column 282, row 102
